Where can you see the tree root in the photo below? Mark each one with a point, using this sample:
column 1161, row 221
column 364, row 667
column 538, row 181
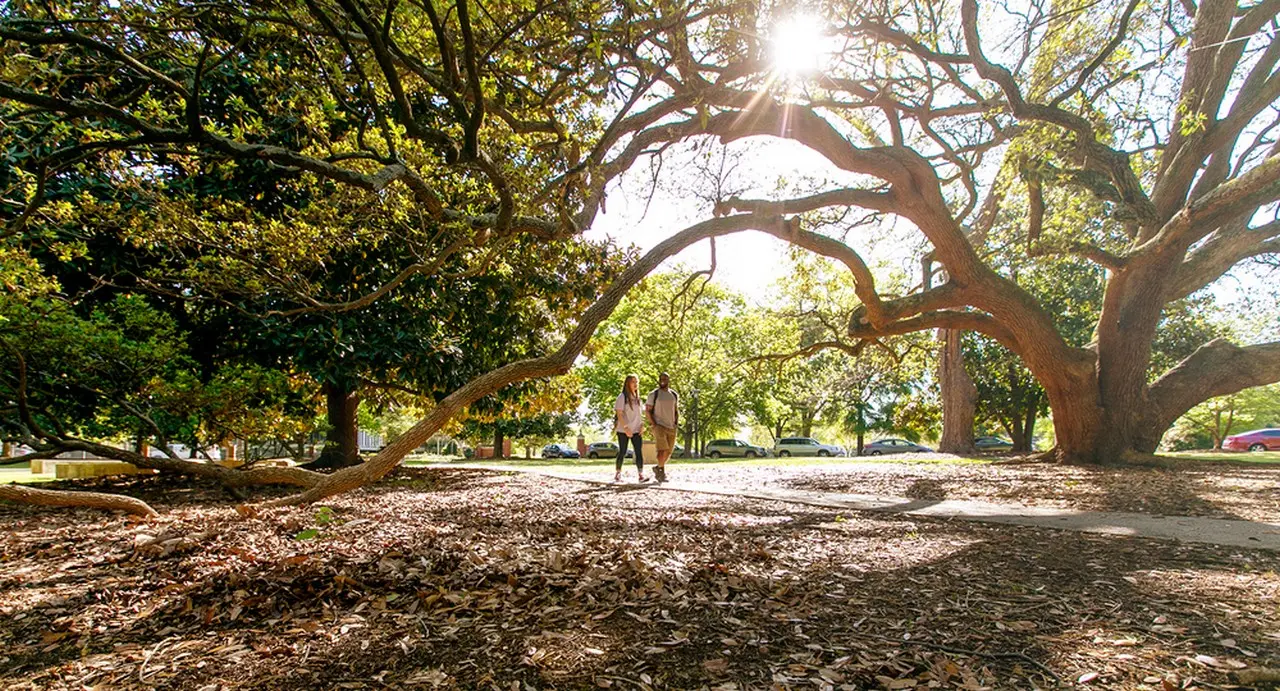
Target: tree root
column 93, row 500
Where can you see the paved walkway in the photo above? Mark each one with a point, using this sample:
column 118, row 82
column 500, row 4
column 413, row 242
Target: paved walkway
column 1214, row 531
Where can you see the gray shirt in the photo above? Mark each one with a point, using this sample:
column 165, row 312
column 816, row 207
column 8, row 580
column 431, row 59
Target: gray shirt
column 664, row 406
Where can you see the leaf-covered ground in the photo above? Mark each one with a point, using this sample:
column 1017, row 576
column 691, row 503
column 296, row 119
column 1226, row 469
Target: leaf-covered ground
column 466, row 579
column 1180, row 488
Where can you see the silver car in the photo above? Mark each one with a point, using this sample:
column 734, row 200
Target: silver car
column 805, row 446
column 733, row 448
column 883, row 447
column 605, row 449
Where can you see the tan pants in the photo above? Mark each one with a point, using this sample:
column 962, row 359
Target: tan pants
column 664, row 437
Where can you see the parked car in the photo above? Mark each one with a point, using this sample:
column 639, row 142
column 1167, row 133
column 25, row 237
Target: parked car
column 882, row 447
column 1257, row 440
column 606, row 449
column 561, row 451
column 733, row 448
column 992, row 444
column 804, row 446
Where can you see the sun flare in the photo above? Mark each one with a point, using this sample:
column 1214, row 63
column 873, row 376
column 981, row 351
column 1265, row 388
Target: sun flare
column 798, row 44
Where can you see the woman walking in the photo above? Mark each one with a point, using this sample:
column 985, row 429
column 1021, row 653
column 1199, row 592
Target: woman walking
column 629, row 425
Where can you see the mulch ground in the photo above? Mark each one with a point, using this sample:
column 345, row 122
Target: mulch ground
column 466, row 579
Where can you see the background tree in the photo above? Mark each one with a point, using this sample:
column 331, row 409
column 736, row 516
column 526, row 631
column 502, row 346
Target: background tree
column 1212, row 421
column 857, row 387
column 529, row 411
column 700, row 333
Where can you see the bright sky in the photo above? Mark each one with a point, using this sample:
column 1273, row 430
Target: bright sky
column 750, row 262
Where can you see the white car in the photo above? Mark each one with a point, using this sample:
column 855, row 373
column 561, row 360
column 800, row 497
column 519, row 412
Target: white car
column 804, row 446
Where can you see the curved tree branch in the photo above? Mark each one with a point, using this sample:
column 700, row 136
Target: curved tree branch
column 942, row 319
column 556, row 363
column 1216, row 368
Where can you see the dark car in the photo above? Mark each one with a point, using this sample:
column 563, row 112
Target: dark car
column 882, row 447
column 605, row 449
column 734, row 448
column 560, row 451
column 992, row 444
column 1257, row 440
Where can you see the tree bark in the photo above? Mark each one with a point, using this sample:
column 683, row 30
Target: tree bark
column 1131, row 309
column 1029, row 430
column 1017, row 433
column 92, row 500
column 342, row 441
column 498, row 439
column 959, row 396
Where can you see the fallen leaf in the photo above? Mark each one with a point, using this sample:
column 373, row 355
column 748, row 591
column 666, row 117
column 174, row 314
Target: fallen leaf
column 717, row 665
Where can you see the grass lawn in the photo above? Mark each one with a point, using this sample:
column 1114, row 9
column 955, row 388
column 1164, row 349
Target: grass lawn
column 22, row 473
column 1229, row 456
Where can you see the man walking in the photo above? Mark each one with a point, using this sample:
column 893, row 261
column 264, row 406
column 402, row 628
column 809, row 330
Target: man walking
column 662, row 407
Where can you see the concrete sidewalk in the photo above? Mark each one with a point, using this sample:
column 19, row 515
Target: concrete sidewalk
column 1213, row 531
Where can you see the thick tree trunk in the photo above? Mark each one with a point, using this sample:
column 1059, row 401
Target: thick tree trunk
column 1132, row 306
column 959, row 396
column 498, row 439
column 342, row 442
column 91, row 500
column 1073, row 398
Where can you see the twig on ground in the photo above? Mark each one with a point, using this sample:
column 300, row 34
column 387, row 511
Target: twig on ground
column 1023, row 657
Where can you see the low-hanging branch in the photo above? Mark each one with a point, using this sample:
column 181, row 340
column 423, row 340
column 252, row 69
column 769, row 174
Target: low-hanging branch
column 555, row 363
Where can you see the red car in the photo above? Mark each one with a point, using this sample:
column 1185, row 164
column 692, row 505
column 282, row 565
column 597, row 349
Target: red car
column 1257, row 440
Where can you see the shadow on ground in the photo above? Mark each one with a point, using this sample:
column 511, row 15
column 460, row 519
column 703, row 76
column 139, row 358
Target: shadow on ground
column 449, row 579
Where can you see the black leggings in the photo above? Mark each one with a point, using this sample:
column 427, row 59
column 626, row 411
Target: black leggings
column 637, row 443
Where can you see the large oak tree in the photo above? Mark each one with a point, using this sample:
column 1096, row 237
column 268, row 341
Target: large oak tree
column 513, row 119
column 1162, row 115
